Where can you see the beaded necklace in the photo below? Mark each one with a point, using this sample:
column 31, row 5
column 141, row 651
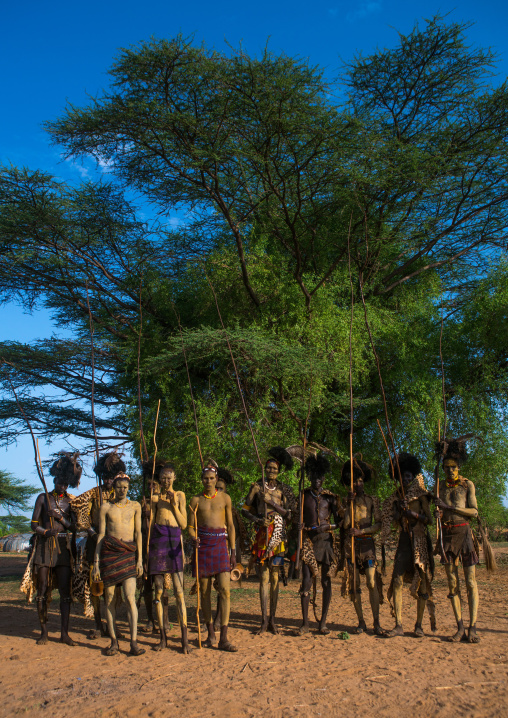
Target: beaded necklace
column 210, row 497
column 122, row 506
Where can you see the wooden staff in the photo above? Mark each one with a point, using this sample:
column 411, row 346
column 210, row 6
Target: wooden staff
column 190, row 386
column 302, row 483
column 351, row 461
column 37, row 458
column 151, row 484
column 439, row 527
column 92, row 361
column 196, row 567
column 143, row 451
column 263, row 483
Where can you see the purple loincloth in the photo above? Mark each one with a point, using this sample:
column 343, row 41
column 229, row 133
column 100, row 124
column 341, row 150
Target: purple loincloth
column 213, row 553
column 165, row 552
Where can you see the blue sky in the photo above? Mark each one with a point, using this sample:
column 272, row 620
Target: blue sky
column 57, row 51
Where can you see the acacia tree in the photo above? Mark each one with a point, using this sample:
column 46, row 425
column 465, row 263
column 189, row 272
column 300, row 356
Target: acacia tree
column 14, row 496
column 277, row 177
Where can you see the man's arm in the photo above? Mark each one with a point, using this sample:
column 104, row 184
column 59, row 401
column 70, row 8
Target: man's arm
column 138, row 539
column 178, row 505
column 231, row 531
column 100, row 538
column 191, row 519
column 247, row 508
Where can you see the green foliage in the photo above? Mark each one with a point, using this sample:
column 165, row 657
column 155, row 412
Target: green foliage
column 291, row 200
column 14, row 496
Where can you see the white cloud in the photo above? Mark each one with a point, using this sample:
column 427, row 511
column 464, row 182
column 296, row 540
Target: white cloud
column 363, row 10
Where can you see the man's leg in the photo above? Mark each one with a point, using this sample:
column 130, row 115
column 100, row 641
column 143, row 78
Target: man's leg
column 99, row 629
column 205, row 587
column 452, row 574
column 305, row 589
column 274, row 597
column 326, row 585
column 64, row 577
column 472, row 599
column 397, row 584
column 109, row 598
column 224, row 581
column 149, row 627
column 357, row 599
column 129, row 589
column 42, row 602
column 158, row 581
column 181, row 609
column 421, row 602
column 264, row 579
column 370, row 574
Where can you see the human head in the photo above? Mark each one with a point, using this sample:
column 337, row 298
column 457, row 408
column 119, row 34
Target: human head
column 363, row 473
column 66, row 471
column 278, row 458
column 121, row 485
column 454, row 455
column 107, row 467
column 224, row 479
column 167, row 475
column 209, row 477
column 316, row 467
column 409, row 467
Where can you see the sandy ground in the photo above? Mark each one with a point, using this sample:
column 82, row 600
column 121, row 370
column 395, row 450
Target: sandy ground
column 282, row 675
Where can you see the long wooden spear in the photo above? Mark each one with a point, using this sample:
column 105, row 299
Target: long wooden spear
column 439, row 527
column 302, row 482
column 385, row 407
column 151, row 484
column 92, row 361
column 190, row 386
column 37, row 458
column 143, row 451
column 242, row 398
column 196, row 566
column 352, row 505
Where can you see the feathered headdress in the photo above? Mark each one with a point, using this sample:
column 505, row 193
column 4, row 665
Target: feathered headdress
column 317, row 466
column 361, row 470
column 454, row 449
column 406, row 462
column 109, row 465
column 67, row 468
column 281, row 456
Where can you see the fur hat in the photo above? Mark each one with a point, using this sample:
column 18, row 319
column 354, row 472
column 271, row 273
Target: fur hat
column 317, row 466
column 109, row 465
column 67, row 468
column 281, row 456
column 361, row 470
column 407, row 462
column 453, row 449
column 225, row 476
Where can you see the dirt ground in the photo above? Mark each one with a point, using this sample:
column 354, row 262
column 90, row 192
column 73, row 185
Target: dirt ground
column 277, row 676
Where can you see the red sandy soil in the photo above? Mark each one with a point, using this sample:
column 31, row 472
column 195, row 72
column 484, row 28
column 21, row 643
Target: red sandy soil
column 277, row 676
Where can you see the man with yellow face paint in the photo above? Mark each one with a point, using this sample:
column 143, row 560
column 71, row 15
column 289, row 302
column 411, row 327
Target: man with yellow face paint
column 456, row 507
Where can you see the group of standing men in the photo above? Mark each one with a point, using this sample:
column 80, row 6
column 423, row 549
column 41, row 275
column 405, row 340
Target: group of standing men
column 333, row 535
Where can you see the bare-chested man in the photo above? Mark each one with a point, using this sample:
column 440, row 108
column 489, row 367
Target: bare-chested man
column 54, row 528
column 413, row 561
column 457, row 506
column 319, row 545
column 367, row 522
column 165, row 553
column 87, row 509
column 270, row 510
column 120, row 554
column 214, row 559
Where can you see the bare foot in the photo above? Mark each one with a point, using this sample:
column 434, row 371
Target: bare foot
column 263, row 628
column 42, row 640
column 361, row 627
column 418, row 632
column 135, row 650
column 186, row 648
column 160, row 646
column 93, row 634
column 472, row 637
column 112, row 650
column 324, row 630
column 304, row 628
column 397, row 631
column 149, row 627
column 67, row 640
column 459, row 635
column 227, row 646
column 378, row 631
column 272, row 627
